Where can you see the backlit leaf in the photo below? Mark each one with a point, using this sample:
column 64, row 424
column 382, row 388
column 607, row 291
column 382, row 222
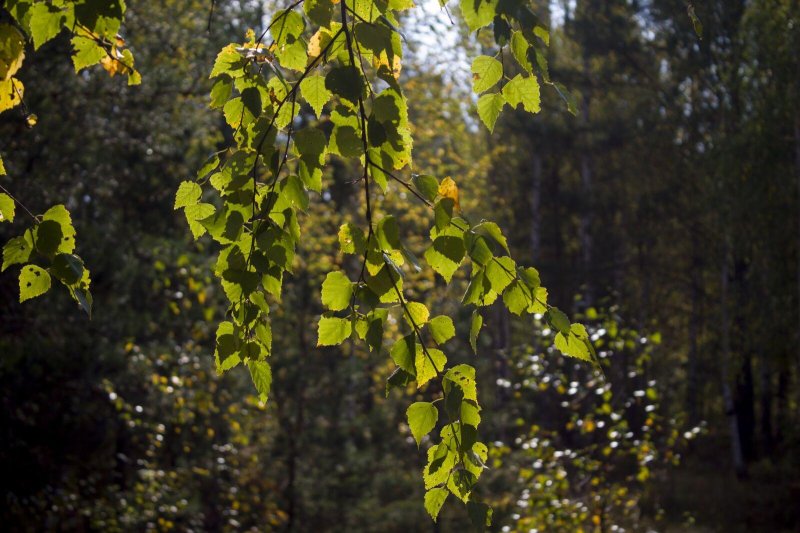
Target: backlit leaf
column 337, row 291
column 33, row 281
column 486, row 72
column 313, row 89
column 442, row 329
column 333, row 330
column 489, row 108
column 7, row 208
column 422, row 418
column 434, row 500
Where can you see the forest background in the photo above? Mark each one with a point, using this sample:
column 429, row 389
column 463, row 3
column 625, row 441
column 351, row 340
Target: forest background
column 664, row 214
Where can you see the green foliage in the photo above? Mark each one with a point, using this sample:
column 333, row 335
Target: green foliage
column 337, row 291
column 50, row 241
column 489, row 108
column 95, row 28
column 258, row 190
column 7, row 208
column 422, row 418
column 33, row 281
column 486, row 72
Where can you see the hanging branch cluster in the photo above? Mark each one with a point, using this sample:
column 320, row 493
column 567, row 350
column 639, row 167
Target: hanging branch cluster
column 347, row 70
column 46, row 249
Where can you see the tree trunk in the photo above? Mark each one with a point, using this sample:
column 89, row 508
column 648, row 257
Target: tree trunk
column 584, row 230
column 536, row 204
column 797, row 172
column 694, row 329
column 765, row 379
column 727, row 394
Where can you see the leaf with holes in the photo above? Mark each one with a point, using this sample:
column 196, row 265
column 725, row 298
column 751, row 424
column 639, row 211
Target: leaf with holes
column 33, row 281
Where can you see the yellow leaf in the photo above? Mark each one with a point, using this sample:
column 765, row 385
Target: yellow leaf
column 112, row 66
column 317, row 42
column 11, row 93
column 449, row 189
column 382, row 60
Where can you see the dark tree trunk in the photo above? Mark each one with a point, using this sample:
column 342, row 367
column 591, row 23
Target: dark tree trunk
column 737, row 458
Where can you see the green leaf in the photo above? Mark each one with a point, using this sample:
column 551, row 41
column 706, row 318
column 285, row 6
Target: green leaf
column 196, row 213
column 45, row 23
column 311, row 144
column 478, row 249
column 333, row 330
column 422, row 418
column 515, row 298
column 33, row 281
column 292, row 54
column 539, row 304
column 542, row 33
column 571, row 345
column 434, row 499
column 416, row 312
column 443, row 212
column 226, row 354
column 439, row 465
column 68, row 268
column 313, row 89
column 86, row 52
column 523, row 91
column 558, row 320
column 12, row 50
column 463, row 376
column 519, row 49
column 477, row 13
column 428, row 186
column 445, row 255
column 221, row 92
column 404, row 352
column 261, row 373
column 48, row 237
column 188, row 194
column 319, row 12
column 530, row 276
column 346, row 82
column 500, row 272
column 398, row 379
column 490, row 229
column 351, row 239
column 17, row 250
column 442, row 329
column 7, row 208
column 337, row 291
column 60, row 215
column 489, row 108
column 486, row 72
column 229, row 62
column 474, row 330
column 428, row 362
column 568, row 97
column 388, row 234
column 461, row 483
column 286, row 26
column 579, row 330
